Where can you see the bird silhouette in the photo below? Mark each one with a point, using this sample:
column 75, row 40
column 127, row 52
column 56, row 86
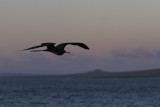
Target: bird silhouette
column 59, row 49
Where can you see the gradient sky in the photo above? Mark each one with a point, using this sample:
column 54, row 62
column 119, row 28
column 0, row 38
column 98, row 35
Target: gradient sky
column 122, row 35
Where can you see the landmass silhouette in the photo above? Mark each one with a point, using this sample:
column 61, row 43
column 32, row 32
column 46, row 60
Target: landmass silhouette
column 91, row 74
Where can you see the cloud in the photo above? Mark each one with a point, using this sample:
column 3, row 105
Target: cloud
column 36, row 59
column 138, row 52
column 24, row 63
column 143, row 52
column 138, row 58
column 47, row 64
column 118, row 52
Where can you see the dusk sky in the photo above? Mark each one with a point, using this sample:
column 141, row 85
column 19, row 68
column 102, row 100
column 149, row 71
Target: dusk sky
column 123, row 35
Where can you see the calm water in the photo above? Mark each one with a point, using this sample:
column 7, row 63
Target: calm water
column 138, row 92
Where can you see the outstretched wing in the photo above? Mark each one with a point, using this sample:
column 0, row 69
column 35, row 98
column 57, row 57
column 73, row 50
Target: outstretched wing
column 63, row 45
column 49, row 45
column 42, row 45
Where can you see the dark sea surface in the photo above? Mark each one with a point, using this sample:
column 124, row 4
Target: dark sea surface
column 111, row 92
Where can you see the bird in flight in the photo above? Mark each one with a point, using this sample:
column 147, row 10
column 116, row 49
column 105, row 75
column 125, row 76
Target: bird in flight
column 59, row 49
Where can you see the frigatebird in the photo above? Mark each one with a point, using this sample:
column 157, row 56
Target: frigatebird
column 59, row 49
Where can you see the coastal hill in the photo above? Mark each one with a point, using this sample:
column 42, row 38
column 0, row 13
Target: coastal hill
column 104, row 74
column 94, row 74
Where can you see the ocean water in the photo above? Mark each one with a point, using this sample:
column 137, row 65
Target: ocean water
column 111, row 92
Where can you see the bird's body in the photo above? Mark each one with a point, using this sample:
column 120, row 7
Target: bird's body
column 59, row 49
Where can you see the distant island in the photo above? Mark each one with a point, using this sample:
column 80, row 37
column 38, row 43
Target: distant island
column 91, row 74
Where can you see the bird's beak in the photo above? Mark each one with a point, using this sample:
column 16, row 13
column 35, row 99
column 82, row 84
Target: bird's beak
column 67, row 52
